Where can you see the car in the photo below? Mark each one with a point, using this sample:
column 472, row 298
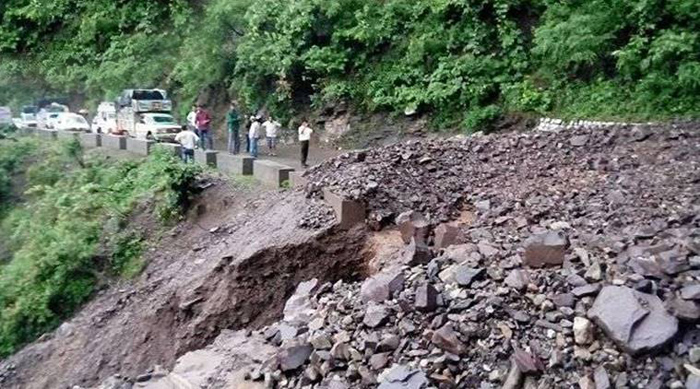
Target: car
column 161, row 127
column 50, row 119
column 5, row 116
column 48, row 114
column 69, row 121
column 28, row 117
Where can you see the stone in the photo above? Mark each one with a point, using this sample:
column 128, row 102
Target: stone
column 413, row 225
column 594, row 273
column 487, row 250
column 445, row 235
column 382, row 286
column 299, row 309
column 586, row 290
column 691, row 292
column 426, row 298
column 547, row 249
column 692, row 382
column 402, row 377
column 527, row 362
column 583, row 331
column 601, row 378
column 636, row 321
column 464, row 275
column 446, row 339
column 321, row 342
column 518, row 279
column 375, row 315
column 685, row 310
column 578, row 140
column 514, row 378
column 379, row 361
column 564, row 300
column 586, row 382
column 293, row 357
column 694, row 354
column 389, row 343
column 416, row 254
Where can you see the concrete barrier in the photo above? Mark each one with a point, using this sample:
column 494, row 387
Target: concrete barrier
column 116, row 142
column 49, row 134
column 172, row 148
column 271, row 173
column 296, row 179
column 205, row 157
column 235, row 164
column 348, row 212
column 68, row 135
column 139, row 146
column 91, row 140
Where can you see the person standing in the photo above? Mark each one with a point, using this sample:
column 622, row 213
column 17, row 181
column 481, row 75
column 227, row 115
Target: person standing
column 271, row 127
column 233, row 122
column 304, row 139
column 203, row 123
column 192, row 118
column 254, row 136
column 188, row 141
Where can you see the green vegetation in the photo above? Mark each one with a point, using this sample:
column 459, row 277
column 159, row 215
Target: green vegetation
column 72, row 228
column 462, row 62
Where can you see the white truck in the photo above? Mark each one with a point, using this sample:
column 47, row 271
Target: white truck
column 145, row 114
column 106, row 119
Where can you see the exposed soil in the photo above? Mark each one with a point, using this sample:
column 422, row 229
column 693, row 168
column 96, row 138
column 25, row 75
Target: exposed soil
column 231, row 265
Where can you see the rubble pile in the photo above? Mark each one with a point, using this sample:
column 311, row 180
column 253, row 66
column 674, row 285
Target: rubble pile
column 580, row 268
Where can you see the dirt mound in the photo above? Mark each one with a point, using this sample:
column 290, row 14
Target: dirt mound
column 232, row 265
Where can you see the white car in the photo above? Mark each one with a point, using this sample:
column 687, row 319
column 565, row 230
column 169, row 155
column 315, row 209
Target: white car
column 71, row 122
column 51, row 119
column 28, row 117
column 106, row 119
column 161, row 127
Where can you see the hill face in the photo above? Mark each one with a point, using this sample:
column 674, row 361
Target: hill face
column 463, row 64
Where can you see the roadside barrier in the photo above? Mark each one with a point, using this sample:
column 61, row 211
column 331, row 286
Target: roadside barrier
column 271, row 174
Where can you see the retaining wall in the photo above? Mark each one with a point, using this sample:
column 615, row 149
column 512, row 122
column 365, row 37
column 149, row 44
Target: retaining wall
column 205, row 157
column 91, row 140
column 50, row 134
column 68, row 135
column 139, row 146
column 271, row 173
column 235, row 164
column 347, row 212
column 116, row 142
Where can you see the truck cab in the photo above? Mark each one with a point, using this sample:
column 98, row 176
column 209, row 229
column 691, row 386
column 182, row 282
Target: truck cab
column 132, row 104
column 106, row 119
column 160, row 127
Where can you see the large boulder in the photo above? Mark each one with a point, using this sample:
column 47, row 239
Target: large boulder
column 637, row 322
column 299, row 308
column 294, row 356
column 413, row 225
column 402, row 377
column 547, row 249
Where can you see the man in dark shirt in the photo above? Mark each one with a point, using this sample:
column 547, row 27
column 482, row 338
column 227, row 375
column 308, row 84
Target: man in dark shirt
column 203, row 123
column 233, row 121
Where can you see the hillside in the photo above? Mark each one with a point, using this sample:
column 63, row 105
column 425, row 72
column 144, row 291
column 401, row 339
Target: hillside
column 461, row 64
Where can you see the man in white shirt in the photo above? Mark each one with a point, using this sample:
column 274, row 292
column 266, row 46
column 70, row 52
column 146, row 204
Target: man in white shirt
column 304, row 138
column 271, row 127
column 192, row 118
column 254, row 135
column 188, row 140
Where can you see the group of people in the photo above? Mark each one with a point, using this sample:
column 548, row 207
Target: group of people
column 198, row 133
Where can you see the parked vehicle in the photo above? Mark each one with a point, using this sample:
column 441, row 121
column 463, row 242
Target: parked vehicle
column 106, row 119
column 48, row 114
column 133, row 105
column 160, row 127
column 29, row 116
column 5, row 116
column 68, row 121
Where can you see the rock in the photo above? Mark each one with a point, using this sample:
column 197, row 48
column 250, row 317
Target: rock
column 546, row 249
column 564, row 300
column 594, row 273
column 518, row 279
column 389, row 343
column 464, row 275
column 426, row 298
column 379, row 361
column 293, row 357
column 321, row 342
column 576, row 280
column 583, row 331
column 299, row 309
column 691, row 292
column 586, row 290
column 375, row 315
column 578, row 140
column 637, row 322
column 600, row 376
column 446, row 339
column 586, row 382
column 640, row 134
column 413, row 225
column 683, row 309
column 382, row 286
column 514, row 378
column 694, row 354
column 416, row 254
column 487, row 250
column 402, row 377
column 445, row 235
column 693, row 382
column 527, row 362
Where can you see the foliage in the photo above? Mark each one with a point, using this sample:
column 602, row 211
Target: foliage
column 462, row 62
column 57, row 235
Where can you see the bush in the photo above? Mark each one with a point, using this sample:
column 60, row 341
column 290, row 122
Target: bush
column 57, row 235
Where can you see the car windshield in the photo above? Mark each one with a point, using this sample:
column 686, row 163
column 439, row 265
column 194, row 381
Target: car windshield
column 28, row 109
column 163, row 119
column 53, row 116
column 56, row 109
column 147, row 95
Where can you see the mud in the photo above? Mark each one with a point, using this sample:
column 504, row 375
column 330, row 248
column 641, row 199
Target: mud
column 233, row 264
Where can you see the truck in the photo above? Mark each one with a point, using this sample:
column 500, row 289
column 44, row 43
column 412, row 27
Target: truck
column 106, row 119
column 146, row 114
